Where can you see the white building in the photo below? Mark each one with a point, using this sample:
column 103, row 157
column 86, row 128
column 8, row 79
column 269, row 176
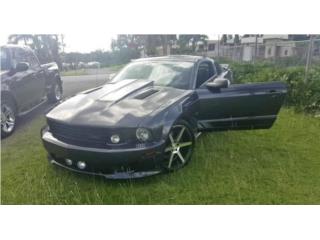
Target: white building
column 268, row 46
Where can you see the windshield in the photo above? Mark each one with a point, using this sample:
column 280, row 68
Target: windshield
column 171, row 74
column 5, row 64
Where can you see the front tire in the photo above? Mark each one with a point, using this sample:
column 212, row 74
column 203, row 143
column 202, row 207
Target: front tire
column 179, row 146
column 55, row 93
column 8, row 118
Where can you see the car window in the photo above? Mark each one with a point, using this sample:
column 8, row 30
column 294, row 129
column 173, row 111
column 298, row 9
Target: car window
column 205, row 71
column 5, row 61
column 32, row 60
column 18, row 55
column 162, row 73
column 21, row 55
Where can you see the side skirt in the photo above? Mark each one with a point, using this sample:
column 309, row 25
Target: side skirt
column 33, row 108
column 238, row 123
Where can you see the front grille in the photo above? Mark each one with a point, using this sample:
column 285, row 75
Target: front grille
column 91, row 136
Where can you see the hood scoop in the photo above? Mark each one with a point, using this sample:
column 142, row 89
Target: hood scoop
column 123, row 90
column 146, row 94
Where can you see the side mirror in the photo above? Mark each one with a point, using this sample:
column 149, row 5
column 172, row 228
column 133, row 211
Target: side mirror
column 22, row 66
column 218, row 83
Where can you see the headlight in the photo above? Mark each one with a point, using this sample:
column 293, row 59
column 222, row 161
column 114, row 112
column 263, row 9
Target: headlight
column 143, row 134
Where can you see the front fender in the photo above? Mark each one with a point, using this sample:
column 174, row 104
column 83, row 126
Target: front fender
column 58, row 78
column 183, row 111
column 166, row 118
column 6, row 94
column 53, row 76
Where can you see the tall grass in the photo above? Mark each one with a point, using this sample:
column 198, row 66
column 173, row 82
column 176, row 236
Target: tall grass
column 276, row 166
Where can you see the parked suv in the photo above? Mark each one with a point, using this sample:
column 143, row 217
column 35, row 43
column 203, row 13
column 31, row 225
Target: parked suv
column 25, row 84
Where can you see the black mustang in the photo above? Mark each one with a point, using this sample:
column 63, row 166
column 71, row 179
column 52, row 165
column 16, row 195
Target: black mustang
column 145, row 121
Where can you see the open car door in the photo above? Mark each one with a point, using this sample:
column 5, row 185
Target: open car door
column 239, row 106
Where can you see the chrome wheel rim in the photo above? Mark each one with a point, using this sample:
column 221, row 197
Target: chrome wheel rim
column 57, row 92
column 178, row 148
column 8, row 119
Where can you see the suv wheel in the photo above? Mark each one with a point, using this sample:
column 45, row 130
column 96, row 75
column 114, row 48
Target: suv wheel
column 55, row 93
column 8, row 118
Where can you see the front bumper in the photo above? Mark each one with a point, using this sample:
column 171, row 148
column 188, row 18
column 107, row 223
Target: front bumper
column 110, row 163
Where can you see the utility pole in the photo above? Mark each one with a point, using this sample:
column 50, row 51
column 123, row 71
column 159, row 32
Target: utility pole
column 218, row 45
column 255, row 49
column 62, row 42
column 309, row 57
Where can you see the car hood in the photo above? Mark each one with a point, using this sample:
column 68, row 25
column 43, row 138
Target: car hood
column 122, row 104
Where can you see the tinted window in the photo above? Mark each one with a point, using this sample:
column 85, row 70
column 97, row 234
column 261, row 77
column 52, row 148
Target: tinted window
column 18, row 55
column 205, row 71
column 32, row 60
column 5, row 61
column 171, row 74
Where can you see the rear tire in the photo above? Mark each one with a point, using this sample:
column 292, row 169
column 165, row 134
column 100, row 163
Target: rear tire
column 8, row 117
column 179, row 146
column 55, row 93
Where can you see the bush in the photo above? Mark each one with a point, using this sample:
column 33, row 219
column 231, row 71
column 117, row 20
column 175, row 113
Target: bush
column 304, row 96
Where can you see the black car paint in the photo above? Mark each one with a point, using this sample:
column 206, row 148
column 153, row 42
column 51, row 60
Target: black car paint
column 245, row 106
column 116, row 106
column 112, row 163
column 27, row 88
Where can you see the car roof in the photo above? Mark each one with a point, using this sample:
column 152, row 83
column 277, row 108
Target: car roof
column 178, row 58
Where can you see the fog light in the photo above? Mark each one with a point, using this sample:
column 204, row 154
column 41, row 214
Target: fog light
column 81, row 165
column 115, row 138
column 68, row 161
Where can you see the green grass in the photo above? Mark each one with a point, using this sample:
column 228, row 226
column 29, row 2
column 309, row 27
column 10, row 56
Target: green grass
column 276, row 166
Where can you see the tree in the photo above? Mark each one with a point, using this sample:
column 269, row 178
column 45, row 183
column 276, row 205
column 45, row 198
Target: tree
column 236, row 39
column 132, row 41
column 148, row 42
column 46, row 46
column 223, row 39
column 187, row 40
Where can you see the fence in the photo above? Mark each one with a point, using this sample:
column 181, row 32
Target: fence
column 286, row 52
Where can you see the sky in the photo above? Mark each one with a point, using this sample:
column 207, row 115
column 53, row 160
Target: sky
column 80, row 42
column 85, row 43
column 88, row 43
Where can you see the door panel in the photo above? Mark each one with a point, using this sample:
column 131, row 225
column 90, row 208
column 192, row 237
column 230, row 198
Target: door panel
column 22, row 89
column 28, row 86
column 240, row 106
column 38, row 80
